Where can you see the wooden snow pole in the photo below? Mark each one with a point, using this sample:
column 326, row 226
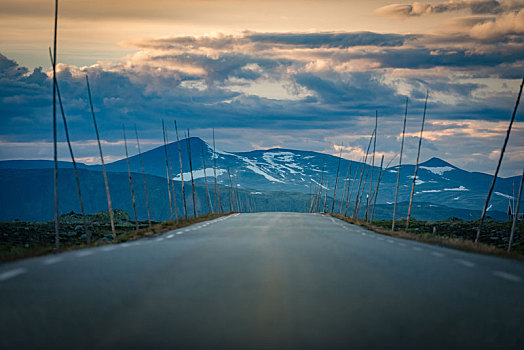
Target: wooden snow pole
column 130, row 178
column 181, row 172
column 109, row 204
column 208, row 198
column 364, row 163
column 346, row 187
column 191, row 171
column 516, row 214
column 77, row 178
column 143, row 176
column 376, row 190
column 485, row 209
column 168, row 175
column 416, row 164
column 55, row 145
column 399, row 167
column 336, row 181
column 372, row 166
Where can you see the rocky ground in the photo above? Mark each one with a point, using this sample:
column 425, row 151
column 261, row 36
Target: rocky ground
column 35, row 238
column 494, row 232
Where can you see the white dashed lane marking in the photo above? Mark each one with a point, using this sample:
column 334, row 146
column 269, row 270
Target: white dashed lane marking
column 507, row 276
column 465, row 262
column 11, row 273
column 83, row 253
column 108, row 248
column 52, row 260
column 418, row 249
column 437, row 254
column 170, row 236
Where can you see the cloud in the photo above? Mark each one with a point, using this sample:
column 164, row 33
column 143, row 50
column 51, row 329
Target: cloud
column 498, row 28
column 297, row 90
column 476, row 7
column 330, row 40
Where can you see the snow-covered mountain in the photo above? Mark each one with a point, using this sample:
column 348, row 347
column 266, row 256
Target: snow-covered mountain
column 286, row 170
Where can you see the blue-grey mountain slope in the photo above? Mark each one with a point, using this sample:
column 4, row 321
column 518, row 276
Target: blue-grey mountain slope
column 286, row 170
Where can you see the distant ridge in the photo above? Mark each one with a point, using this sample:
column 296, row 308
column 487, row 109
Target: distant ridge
column 437, row 162
column 287, row 170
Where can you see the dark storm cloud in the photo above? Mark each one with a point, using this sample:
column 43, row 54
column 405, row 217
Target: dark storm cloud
column 229, row 81
column 417, row 58
column 331, row 40
column 474, row 6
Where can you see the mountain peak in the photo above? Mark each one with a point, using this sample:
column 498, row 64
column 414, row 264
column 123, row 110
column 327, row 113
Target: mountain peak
column 436, row 162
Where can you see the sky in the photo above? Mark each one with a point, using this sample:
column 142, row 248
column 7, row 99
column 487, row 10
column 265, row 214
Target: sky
column 296, row 74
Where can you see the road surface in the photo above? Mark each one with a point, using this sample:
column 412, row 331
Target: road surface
column 263, row 281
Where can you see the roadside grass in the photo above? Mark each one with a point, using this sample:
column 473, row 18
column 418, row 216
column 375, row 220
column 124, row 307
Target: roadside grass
column 443, row 240
column 44, row 245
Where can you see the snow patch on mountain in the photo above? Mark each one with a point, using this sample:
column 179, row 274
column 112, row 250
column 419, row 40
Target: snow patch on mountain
column 324, row 187
column 428, row 191
column 253, row 166
column 504, row 195
column 460, row 188
column 273, row 159
column 259, row 171
column 439, row 170
column 197, row 174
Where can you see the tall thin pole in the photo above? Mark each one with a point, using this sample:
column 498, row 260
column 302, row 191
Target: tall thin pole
column 77, row 178
column 336, row 181
column 376, row 190
column 191, row 171
column 310, row 198
column 416, row 165
column 362, row 193
column 230, row 187
column 181, row 172
column 364, row 163
column 372, row 166
column 516, row 213
column 143, row 176
column 499, row 163
column 234, row 193
column 168, row 175
column 346, row 187
column 130, row 178
column 248, row 203
column 399, row 167
column 319, row 200
column 237, row 197
column 55, row 147
column 102, row 160
column 324, row 208
column 175, row 205
column 217, row 192
column 208, row 198
column 351, row 185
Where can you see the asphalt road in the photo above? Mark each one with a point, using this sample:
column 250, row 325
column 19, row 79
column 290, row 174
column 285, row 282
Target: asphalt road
column 263, row 281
